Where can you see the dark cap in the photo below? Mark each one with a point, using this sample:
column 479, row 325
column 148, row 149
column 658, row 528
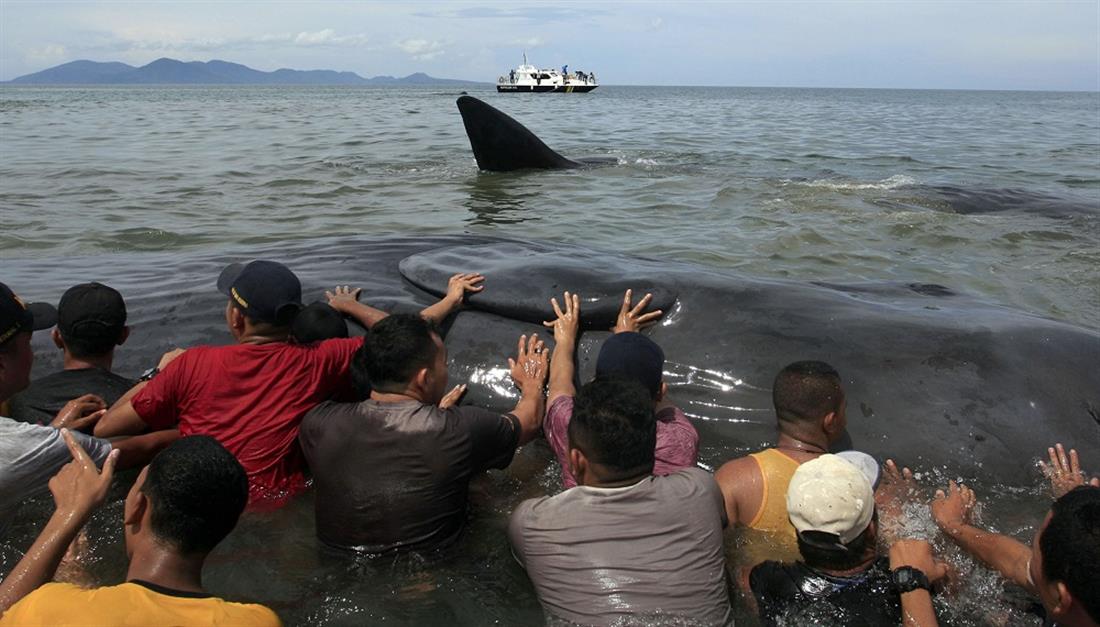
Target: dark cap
column 632, row 356
column 266, row 291
column 91, row 310
column 318, row 321
column 16, row 316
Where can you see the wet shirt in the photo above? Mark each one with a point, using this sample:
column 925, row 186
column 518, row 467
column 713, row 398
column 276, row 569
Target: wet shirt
column 251, row 398
column 41, row 401
column 132, row 604
column 651, row 551
column 29, row 456
column 677, row 441
column 395, row 476
column 794, row 594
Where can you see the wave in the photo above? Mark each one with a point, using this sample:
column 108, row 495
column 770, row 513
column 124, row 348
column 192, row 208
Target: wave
column 894, row 182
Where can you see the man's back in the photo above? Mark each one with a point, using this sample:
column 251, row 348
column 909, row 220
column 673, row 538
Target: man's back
column 45, row 397
column 395, row 475
column 652, row 549
column 251, row 398
column 132, row 603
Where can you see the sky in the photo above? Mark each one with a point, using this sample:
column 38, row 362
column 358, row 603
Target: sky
column 932, row 44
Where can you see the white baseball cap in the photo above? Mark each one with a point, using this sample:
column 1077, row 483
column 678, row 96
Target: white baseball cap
column 831, row 495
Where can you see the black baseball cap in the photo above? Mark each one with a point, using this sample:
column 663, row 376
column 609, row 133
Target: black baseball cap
column 318, row 321
column 632, row 356
column 91, row 310
column 16, row 315
column 266, row 291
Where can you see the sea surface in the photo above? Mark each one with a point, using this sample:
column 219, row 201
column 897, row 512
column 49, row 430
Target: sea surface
column 995, row 194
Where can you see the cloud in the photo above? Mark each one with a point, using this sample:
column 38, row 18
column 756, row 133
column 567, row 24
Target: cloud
column 47, row 53
column 530, row 42
column 171, row 42
column 534, row 13
column 421, row 49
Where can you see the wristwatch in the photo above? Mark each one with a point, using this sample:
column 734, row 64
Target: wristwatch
column 908, row 579
column 149, row 374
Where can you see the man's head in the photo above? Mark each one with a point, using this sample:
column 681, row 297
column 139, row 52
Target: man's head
column 187, row 499
column 1065, row 558
column 808, row 397
column 318, row 321
column 612, row 433
column 635, row 357
column 403, row 354
column 17, row 321
column 91, row 321
column 832, row 507
column 264, row 297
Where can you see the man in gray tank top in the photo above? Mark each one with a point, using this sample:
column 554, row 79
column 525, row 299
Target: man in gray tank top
column 624, row 545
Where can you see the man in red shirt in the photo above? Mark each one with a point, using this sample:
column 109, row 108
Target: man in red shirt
column 251, row 395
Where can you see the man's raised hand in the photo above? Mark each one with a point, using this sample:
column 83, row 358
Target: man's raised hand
column 631, row 318
column 1064, row 471
column 79, row 487
column 529, row 368
column 952, row 510
column 463, row 283
column 568, row 321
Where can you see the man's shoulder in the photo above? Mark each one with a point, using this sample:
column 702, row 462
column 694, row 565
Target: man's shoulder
column 735, row 469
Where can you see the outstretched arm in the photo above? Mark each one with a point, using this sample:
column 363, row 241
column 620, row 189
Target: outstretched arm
column 529, row 370
column 1011, row 558
column 457, row 287
column 562, row 366
column 78, row 489
column 345, row 299
column 121, row 418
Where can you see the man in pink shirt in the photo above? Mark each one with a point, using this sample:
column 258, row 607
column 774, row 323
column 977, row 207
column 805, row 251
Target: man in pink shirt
column 628, row 355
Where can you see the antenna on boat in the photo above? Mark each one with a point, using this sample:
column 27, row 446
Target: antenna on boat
column 525, row 57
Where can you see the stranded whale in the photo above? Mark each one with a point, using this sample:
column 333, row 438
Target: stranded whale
column 501, row 144
column 935, row 378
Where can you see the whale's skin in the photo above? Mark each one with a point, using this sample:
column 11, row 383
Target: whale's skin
column 934, row 378
column 501, row 144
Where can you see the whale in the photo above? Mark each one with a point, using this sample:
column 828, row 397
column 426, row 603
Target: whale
column 501, row 144
column 935, row 378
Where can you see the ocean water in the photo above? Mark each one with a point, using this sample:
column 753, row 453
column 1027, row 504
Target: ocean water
column 995, row 194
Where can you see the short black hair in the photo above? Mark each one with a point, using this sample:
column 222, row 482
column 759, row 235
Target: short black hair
column 614, row 425
column 821, row 549
column 1071, row 546
column 806, row 391
column 318, row 321
column 394, row 350
column 197, row 491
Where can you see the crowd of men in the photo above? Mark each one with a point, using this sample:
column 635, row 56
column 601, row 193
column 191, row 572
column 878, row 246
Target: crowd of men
column 635, row 537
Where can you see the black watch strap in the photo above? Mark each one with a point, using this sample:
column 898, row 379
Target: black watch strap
column 149, row 374
column 908, row 579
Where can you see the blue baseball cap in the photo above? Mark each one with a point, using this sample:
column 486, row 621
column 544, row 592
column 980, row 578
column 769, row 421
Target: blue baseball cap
column 265, row 291
column 632, row 356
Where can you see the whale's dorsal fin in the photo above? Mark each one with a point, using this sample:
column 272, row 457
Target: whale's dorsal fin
column 502, row 144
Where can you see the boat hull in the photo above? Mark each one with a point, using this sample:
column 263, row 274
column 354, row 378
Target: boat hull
column 526, row 89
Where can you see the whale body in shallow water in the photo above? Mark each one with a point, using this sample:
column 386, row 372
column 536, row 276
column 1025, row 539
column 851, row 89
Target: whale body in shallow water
column 934, row 378
column 501, row 144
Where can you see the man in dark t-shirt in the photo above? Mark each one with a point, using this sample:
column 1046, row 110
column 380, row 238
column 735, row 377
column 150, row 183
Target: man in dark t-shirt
column 841, row 578
column 392, row 472
column 91, row 322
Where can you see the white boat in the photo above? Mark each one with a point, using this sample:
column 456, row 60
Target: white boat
column 528, row 78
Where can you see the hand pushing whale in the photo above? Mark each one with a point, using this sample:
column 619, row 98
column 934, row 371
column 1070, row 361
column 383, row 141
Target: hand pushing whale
column 501, row 144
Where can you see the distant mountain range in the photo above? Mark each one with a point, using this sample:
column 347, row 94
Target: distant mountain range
column 172, row 72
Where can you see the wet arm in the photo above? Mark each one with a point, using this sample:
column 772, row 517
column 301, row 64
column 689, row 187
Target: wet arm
column 40, row 562
column 438, row 312
column 1003, row 554
column 139, row 450
column 121, row 418
column 563, row 369
column 917, row 610
column 530, row 410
